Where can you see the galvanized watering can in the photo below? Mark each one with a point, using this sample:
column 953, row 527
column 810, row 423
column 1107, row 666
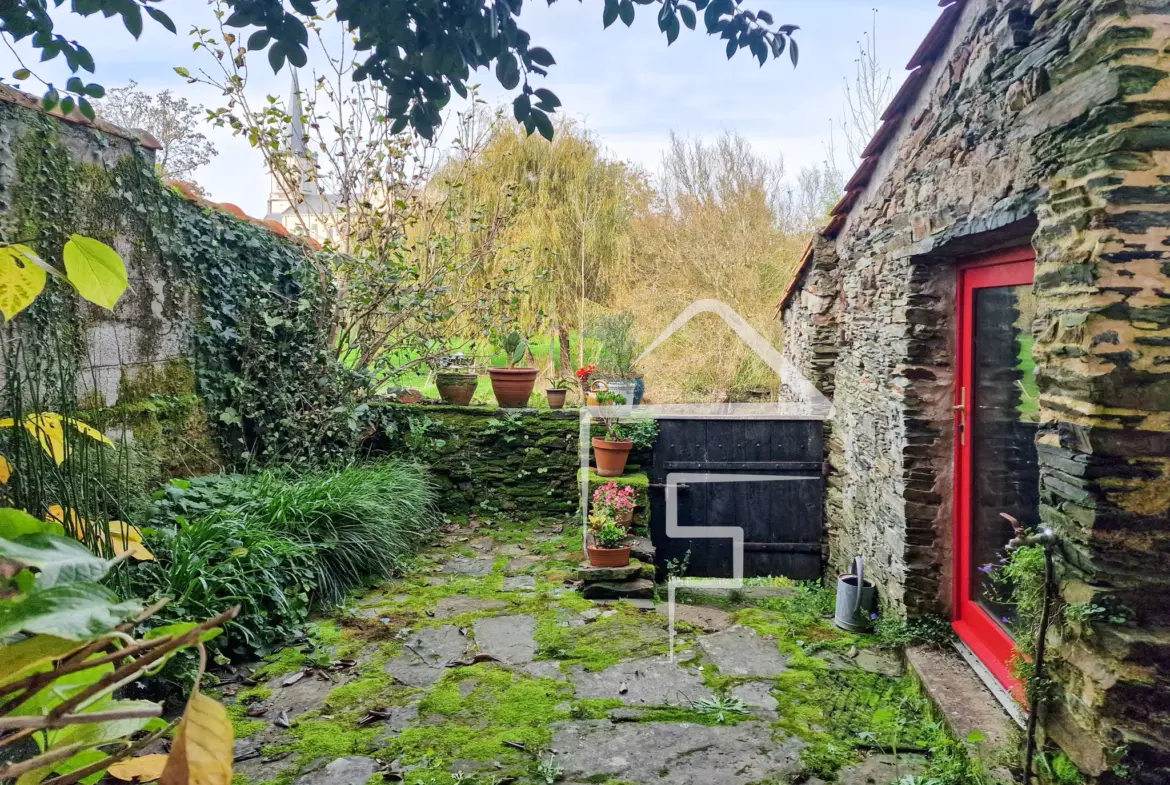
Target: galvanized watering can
column 856, row 600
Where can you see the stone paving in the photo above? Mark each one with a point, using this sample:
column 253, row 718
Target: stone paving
column 490, row 668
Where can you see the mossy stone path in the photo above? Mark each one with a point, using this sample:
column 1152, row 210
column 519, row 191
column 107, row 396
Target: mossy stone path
column 459, row 673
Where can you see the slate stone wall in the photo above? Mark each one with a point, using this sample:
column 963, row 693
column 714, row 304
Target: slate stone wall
column 1043, row 121
column 520, row 464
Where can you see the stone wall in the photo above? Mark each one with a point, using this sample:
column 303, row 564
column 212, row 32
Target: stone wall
column 521, row 464
column 1041, row 121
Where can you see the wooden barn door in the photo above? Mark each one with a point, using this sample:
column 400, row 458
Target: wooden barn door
column 996, row 468
column 778, row 503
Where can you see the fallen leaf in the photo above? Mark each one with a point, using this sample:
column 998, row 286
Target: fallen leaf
column 145, row 769
column 515, row 745
column 257, row 711
column 5, row 470
column 293, row 679
column 282, row 721
column 202, row 752
column 481, row 657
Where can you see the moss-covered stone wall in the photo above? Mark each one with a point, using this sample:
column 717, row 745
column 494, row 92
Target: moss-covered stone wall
column 519, row 464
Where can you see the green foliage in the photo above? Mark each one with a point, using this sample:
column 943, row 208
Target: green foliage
column 1058, row 769
column 615, row 332
column 610, row 535
column 1019, row 582
column 643, row 432
column 925, row 630
column 279, row 546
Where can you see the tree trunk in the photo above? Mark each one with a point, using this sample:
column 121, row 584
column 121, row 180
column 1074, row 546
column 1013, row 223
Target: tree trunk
column 566, row 359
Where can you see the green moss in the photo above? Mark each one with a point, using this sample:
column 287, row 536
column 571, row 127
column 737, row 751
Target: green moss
column 484, row 706
column 255, row 694
column 282, row 663
column 605, row 642
column 172, row 378
column 244, row 726
column 331, row 739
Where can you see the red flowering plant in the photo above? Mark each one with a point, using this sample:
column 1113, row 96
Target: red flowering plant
column 616, row 501
column 584, row 375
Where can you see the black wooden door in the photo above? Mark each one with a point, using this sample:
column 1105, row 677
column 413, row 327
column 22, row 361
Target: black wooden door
column 778, row 503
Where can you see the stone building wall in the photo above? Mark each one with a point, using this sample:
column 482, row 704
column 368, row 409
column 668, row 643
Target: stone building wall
column 1041, row 121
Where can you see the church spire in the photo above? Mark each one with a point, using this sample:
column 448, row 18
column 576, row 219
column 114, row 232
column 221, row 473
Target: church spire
column 295, row 133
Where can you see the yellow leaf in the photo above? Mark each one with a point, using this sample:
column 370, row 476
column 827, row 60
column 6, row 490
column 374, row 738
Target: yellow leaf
column 48, row 429
column 21, row 279
column 5, row 470
column 32, row 654
column 95, row 270
column 57, row 514
column 202, row 752
column 125, row 533
column 7, row 422
column 89, row 430
column 145, row 769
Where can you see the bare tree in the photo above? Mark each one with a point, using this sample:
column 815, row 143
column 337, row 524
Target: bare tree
column 866, row 96
column 172, row 120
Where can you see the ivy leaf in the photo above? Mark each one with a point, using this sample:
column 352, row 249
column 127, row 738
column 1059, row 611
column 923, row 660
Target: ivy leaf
column 21, row 279
column 202, row 752
column 59, row 559
column 74, row 611
column 96, row 270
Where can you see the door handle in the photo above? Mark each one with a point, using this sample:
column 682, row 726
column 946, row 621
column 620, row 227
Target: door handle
column 682, row 486
column 961, row 410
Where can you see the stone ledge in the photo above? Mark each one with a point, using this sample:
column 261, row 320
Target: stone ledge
column 635, row 569
column 964, row 701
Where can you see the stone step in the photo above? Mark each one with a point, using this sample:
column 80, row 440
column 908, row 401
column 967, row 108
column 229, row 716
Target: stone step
column 619, row 590
column 642, row 549
column 634, row 570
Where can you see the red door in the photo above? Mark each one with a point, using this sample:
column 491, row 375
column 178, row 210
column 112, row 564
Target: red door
column 996, row 471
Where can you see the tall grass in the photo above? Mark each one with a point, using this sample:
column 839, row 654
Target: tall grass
column 360, row 523
column 281, row 545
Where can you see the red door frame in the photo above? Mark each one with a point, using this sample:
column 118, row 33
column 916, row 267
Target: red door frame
column 993, row 646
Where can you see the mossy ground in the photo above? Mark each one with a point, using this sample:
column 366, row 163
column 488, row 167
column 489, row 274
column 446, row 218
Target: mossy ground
column 486, row 722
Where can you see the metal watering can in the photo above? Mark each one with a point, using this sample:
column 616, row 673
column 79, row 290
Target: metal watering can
column 856, row 600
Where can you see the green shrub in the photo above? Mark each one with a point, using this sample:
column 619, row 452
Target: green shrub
column 279, row 545
column 361, row 523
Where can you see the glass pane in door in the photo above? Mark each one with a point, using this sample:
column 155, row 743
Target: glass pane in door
column 1004, row 419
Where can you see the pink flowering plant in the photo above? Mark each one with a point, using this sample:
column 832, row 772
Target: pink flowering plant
column 613, row 499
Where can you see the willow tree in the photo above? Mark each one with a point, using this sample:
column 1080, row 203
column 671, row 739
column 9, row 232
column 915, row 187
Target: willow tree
column 570, row 211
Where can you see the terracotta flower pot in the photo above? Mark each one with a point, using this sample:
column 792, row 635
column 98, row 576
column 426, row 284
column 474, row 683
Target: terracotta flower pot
column 556, row 398
column 611, row 457
column 624, row 518
column 513, row 386
column 456, row 388
column 609, row 557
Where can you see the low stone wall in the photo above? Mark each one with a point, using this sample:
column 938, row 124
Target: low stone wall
column 521, row 463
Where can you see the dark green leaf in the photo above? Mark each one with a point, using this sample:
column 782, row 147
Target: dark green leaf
column 258, row 40
column 298, row 57
column 67, row 105
column 547, row 98
column 759, row 49
column 521, row 107
column 732, row 46
column 74, row 85
column 86, row 109
column 544, row 125
column 21, row 73
column 609, row 15
column 276, row 56
column 507, row 71
column 626, row 12
column 161, row 18
column 17, row 523
column 541, row 56
column 84, row 59
column 764, row 17
column 50, row 99
column 688, row 16
column 793, row 52
column 132, row 18
column 94, row 90
column 304, row 7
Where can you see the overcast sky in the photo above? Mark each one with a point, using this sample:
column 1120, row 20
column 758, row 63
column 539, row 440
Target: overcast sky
column 626, row 84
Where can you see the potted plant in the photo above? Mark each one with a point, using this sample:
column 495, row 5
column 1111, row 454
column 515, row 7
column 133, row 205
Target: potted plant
column 611, row 452
column 456, row 379
column 556, row 394
column 616, row 333
column 609, row 548
column 584, row 376
column 513, row 384
column 618, row 501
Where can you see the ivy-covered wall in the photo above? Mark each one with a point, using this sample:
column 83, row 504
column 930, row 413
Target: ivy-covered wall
column 219, row 353
column 519, row 464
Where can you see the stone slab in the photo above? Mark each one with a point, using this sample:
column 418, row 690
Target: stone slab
column 642, row 549
column 964, row 701
column 354, row 770
column 590, row 574
column 740, row 651
column 426, row 655
column 600, row 750
column 612, row 590
column 522, row 564
column 519, row 583
column 457, row 606
column 304, row 695
column 509, row 639
column 883, row 663
column 461, row 565
column 882, row 769
column 652, row 681
column 545, row 669
column 706, row 619
column 756, row 695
